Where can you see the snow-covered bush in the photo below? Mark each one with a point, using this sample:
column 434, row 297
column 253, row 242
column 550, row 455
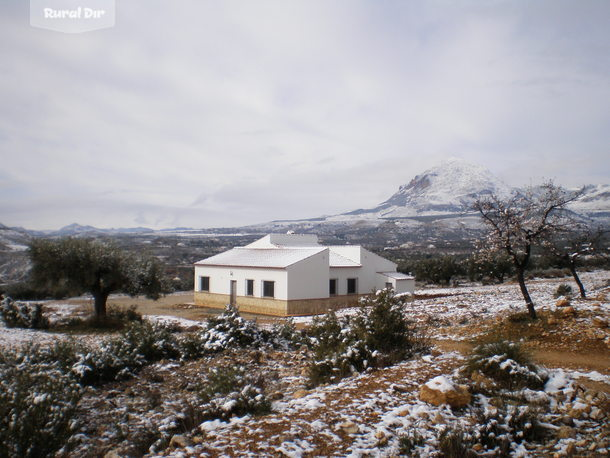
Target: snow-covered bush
column 497, row 429
column 455, row 443
column 507, row 365
column 231, row 391
column 228, row 330
column 284, row 335
column 120, row 357
column 37, row 406
column 114, row 359
column 380, row 335
column 61, row 353
column 337, row 351
column 22, row 315
column 383, row 326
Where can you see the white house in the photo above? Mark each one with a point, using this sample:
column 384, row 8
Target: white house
column 290, row 274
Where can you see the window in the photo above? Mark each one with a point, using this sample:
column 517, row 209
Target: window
column 388, row 285
column 204, row 283
column 352, row 286
column 268, row 289
column 332, row 287
column 249, row 287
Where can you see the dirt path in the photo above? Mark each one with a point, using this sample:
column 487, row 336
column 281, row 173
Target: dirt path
column 552, row 359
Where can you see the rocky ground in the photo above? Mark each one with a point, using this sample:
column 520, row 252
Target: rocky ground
column 384, row 412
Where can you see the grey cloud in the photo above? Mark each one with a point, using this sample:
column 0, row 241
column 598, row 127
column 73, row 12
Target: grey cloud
column 202, row 112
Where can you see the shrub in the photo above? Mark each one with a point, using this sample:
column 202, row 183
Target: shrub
column 37, row 406
column 120, row 357
column 382, row 325
column 507, row 364
column 563, row 290
column 455, row 443
column 230, row 391
column 519, row 317
column 498, row 429
column 63, row 354
column 22, row 315
column 116, row 319
column 228, row 330
column 378, row 336
column 284, row 335
column 409, row 441
column 124, row 314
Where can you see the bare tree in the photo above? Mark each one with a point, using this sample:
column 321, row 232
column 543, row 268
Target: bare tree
column 522, row 220
column 572, row 244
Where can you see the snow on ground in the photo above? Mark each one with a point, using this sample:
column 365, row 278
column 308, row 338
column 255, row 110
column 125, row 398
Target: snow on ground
column 450, row 306
column 14, row 337
column 183, row 323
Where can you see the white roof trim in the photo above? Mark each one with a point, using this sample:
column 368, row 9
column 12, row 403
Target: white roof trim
column 397, row 275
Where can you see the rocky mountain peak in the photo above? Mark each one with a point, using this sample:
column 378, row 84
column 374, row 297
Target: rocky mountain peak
column 445, row 187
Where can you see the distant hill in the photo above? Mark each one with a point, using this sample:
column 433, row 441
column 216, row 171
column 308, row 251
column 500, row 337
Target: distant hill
column 446, row 192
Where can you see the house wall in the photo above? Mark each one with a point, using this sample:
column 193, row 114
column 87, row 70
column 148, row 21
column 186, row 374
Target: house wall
column 405, row 286
column 277, row 307
column 220, row 280
column 342, row 274
column 308, row 279
column 371, row 265
column 399, row 286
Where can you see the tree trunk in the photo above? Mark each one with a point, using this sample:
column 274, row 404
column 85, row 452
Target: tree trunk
column 100, row 304
column 583, row 294
column 525, row 292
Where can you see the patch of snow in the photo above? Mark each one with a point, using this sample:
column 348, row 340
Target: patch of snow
column 440, row 383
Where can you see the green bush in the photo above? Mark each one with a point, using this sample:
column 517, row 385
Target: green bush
column 120, row 357
column 379, row 335
column 231, row 391
column 383, row 327
column 37, row 406
column 507, row 364
column 284, row 335
column 228, row 330
column 22, row 315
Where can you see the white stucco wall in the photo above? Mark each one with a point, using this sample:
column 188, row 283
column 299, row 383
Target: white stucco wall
column 308, row 279
column 342, row 274
column 405, row 286
column 371, row 265
column 402, row 285
column 220, row 279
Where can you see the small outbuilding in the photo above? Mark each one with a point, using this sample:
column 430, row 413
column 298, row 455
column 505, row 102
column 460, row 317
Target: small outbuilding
column 292, row 274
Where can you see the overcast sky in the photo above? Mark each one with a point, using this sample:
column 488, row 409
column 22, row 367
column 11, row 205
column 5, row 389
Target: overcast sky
column 215, row 113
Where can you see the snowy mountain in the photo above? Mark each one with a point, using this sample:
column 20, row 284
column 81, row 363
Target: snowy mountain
column 594, row 203
column 447, row 189
column 434, row 204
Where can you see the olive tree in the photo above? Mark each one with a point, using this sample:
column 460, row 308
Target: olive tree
column 96, row 267
column 522, row 220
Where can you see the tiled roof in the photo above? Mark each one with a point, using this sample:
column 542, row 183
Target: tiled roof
column 336, row 260
column 397, row 275
column 261, row 257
